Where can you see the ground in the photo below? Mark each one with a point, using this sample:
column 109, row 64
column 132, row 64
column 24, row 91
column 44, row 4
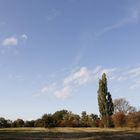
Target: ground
column 69, row 134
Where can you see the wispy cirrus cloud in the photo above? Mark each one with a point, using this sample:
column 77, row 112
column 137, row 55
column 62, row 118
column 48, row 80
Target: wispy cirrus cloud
column 79, row 55
column 135, row 85
column 134, row 72
column 84, row 76
column 16, row 77
column 129, row 75
column 46, row 90
column 73, row 81
column 52, row 14
column 133, row 16
column 134, row 75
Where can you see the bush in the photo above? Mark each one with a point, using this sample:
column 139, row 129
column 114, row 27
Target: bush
column 133, row 120
column 119, row 119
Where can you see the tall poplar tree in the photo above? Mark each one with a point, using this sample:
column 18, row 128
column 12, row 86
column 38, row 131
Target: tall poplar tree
column 106, row 107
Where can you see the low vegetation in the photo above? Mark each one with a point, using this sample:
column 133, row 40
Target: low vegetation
column 64, row 118
column 69, row 133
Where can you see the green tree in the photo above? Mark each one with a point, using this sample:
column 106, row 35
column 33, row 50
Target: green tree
column 110, row 105
column 86, row 120
column 18, row 123
column 106, row 107
column 59, row 116
column 70, row 120
column 48, row 120
column 29, row 123
column 39, row 123
column 3, row 123
column 95, row 120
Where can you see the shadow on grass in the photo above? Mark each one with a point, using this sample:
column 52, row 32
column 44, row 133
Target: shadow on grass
column 69, row 135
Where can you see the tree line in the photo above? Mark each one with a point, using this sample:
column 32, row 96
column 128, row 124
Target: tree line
column 65, row 118
column 117, row 113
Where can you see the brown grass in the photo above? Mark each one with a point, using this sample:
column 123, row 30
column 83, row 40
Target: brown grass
column 69, row 133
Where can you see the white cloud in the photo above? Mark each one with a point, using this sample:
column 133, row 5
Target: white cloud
column 11, row 41
column 49, row 88
column 83, row 76
column 69, row 84
column 74, row 81
column 79, row 77
column 63, row 93
column 24, row 36
column 46, row 90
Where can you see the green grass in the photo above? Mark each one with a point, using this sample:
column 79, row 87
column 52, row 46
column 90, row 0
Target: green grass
column 69, row 133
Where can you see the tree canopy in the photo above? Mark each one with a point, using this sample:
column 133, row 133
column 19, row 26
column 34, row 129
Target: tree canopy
column 106, row 107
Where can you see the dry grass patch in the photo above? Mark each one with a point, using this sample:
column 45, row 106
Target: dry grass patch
column 69, row 133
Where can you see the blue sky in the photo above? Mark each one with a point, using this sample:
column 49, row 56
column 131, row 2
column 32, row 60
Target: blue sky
column 52, row 54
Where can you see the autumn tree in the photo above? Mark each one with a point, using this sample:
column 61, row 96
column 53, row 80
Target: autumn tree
column 106, row 107
column 122, row 105
column 133, row 120
column 119, row 119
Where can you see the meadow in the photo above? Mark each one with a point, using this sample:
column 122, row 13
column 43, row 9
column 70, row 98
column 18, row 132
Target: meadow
column 69, row 134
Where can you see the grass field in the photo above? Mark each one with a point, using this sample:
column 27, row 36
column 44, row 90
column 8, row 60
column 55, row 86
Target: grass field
column 69, row 134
